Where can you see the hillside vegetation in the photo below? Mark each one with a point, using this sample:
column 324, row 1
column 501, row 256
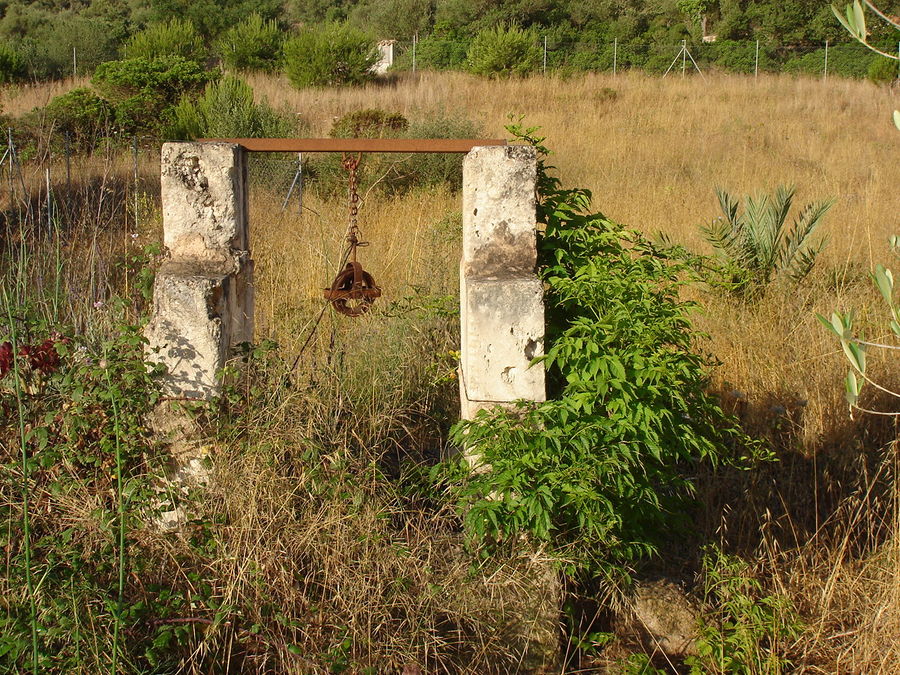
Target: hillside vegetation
column 52, row 39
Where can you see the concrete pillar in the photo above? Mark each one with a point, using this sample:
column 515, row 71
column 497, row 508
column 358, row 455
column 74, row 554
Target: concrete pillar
column 501, row 297
column 203, row 293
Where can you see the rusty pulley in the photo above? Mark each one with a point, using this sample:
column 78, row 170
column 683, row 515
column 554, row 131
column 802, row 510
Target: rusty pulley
column 353, row 290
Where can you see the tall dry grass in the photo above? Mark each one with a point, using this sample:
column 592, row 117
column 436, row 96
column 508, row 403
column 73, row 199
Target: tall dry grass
column 18, row 99
column 821, row 522
column 652, row 150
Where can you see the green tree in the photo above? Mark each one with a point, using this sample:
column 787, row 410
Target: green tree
column 329, row 55
column 253, row 44
column 212, row 17
column 12, row 65
column 143, row 92
column 176, row 37
column 393, row 19
column 695, row 11
column 504, row 51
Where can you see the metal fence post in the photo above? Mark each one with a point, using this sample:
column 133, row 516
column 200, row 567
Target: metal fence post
column 545, row 55
column 756, row 66
column 615, row 54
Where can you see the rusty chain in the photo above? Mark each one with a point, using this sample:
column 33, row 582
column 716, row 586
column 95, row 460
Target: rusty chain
column 351, row 164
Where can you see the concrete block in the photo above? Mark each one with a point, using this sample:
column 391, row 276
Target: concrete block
column 199, row 313
column 204, row 199
column 499, row 212
column 502, row 324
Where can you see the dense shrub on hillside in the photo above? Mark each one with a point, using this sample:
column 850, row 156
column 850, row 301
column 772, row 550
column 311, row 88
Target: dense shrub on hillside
column 253, row 44
column 435, row 52
column 48, row 46
column 227, row 110
column 369, row 123
column 740, row 57
column 12, row 65
column 81, row 115
column 847, row 60
column 433, row 168
column 213, row 17
column 176, row 37
column 883, row 70
column 391, row 173
column 503, row 51
column 144, row 91
column 329, row 55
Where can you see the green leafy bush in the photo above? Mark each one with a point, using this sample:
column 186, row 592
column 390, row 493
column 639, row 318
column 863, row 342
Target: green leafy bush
column 431, row 169
column 12, row 65
column 72, row 429
column 329, row 55
column 504, row 51
column 47, row 46
column 326, row 171
column 600, row 471
column 143, row 92
column 435, row 52
column 227, row 110
column 176, row 37
column 80, row 114
column 253, row 44
column 393, row 173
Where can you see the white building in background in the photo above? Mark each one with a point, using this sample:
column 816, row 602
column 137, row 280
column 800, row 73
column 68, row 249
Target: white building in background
column 385, row 57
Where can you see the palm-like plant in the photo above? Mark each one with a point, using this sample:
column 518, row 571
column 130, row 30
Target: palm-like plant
column 758, row 246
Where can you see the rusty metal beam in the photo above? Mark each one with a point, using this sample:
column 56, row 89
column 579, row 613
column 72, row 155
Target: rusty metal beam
column 460, row 145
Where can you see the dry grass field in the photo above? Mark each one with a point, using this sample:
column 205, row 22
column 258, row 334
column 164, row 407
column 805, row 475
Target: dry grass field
column 820, row 525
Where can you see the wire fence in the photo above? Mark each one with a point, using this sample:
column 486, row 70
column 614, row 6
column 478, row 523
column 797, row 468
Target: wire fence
column 568, row 53
column 47, row 182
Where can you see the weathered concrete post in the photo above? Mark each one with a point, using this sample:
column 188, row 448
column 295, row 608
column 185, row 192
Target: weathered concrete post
column 502, row 329
column 501, row 297
column 203, row 294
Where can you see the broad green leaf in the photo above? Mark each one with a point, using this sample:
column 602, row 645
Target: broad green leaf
column 829, row 324
column 859, row 20
column 884, row 280
column 852, row 387
column 856, row 353
column 839, row 324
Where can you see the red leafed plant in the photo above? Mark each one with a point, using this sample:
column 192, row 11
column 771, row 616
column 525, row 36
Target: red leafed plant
column 42, row 357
